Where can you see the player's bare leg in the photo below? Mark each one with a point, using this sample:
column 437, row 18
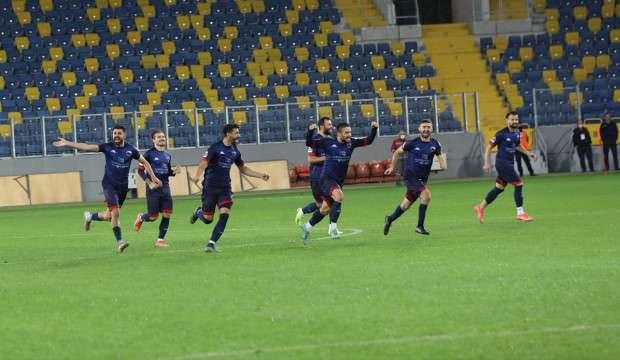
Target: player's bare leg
column 89, row 217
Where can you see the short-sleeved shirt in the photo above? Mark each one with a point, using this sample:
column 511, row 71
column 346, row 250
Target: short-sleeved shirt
column 420, row 157
column 316, row 168
column 337, row 156
column 507, row 141
column 160, row 162
column 220, row 158
column 117, row 162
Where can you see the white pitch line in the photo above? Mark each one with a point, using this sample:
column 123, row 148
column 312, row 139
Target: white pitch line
column 389, row 341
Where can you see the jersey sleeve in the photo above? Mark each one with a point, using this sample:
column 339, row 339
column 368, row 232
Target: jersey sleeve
column 497, row 138
column 407, row 145
column 135, row 154
column 438, row 148
column 311, row 152
column 102, row 147
column 210, row 154
column 238, row 160
column 365, row 141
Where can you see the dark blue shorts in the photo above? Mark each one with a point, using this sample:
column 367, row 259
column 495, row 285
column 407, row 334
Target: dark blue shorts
column 159, row 201
column 327, row 187
column 315, row 186
column 506, row 173
column 211, row 198
column 414, row 188
column 114, row 196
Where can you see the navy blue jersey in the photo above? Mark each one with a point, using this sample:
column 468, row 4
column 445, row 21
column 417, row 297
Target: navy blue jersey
column 507, row 141
column 338, row 154
column 160, row 162
column 220, row 158
column 316, row 168
column 117, row 161
column 420, row 157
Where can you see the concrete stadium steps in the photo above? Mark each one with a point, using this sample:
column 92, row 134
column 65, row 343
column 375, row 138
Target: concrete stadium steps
column 360, row 13
column 460, row 67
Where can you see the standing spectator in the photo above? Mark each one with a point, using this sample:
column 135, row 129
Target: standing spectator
column 583, row 143
column 609, row 137
column 400, row 160
column 524, row 141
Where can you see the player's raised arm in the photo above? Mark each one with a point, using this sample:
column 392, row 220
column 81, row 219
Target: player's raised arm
column 310, row 134
column 60, row 142
column 365, row 141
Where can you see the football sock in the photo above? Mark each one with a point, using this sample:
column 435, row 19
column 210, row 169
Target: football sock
column 163, row 227
column 520, row 211
column 218, row 230
column 492, row 195
column 519, row 196
column 202, row 218
column 94, row 216
column 316, row 218
column 422, row 214
column 117, row 233
column 145, row 217
column 334, row 213
column 310, row 208
column 396, row 214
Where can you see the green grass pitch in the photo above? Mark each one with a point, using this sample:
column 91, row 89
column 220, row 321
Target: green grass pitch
column 549, row 289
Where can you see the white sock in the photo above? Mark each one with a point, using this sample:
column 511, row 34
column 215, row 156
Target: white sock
column 520, row 210
column 307, row 227
column 333, row 226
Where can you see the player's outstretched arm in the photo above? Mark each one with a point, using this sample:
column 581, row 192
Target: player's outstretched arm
column 60, row 142
column 315, row 159
column 249, row 172
column 395, row 155
column 149, row 171
column 311, row 129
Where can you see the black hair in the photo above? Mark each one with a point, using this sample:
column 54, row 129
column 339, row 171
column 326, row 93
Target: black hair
column 322, row 120
column 119, row 127
column 228, row 128
column 511, row 113
column 342, row 125
column 426, row 121
column 155, row 132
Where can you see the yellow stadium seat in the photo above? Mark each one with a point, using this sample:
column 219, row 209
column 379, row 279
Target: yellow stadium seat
column 579, row 75
column 418, row 59
column 23, row 17
column 148, row 61
column 245, row 6
column 65, row 127
column 125, row 75
column 93, row 14
column 540, row 5
column 580, row 13
column 326, row 27
column 556, row 87
column 182, row 72
column 224, row 45
column 68, row 78
column 239, row 93
column 82, row 102
column 117, row 112
column 78, row 40
column 379, row 85
column 603, row 61
column 344, row 98
column 303, row 102
column 44, row 29
column 134, row 38
column 18, row 5
column 399, row 73
column 396, row 109
column 231, row 32
column 549, row 76
column 225, row 70
column 204, row 83
column 260, row 55
column 142, row 23
column 3, row 57
column 154, row 98
column 594, row 24
column 53, row 104
column 588, row 62
column 501, row 43
column 113, row 51
column 2, row 84
column 421, row 83
column 114, row 25
column 347, row 38
column 91, row 65
column 552, row 26
column 203, row 34
column 89, row 90
column 320, row 39
column 292, row 16
column 571, row 38
column 368, row 110
column 574, row 98
column 56, row 53
column 197, row 71
column 607, row 11
column 281, row 67
column 397, row 48
column 387, row 96
column 343, row 51
column 502, row 79
column 258, row 6
column 516, row 101
column 281, row 91
column 344, row 76
column 204, row 8
column 46, row 5
column 325, row 111
column 265, row 42
column 285, row 30
column 168, row 47
column 267, row 68
column 323, row 89
column 556, row 52
column 92, row 39
column 260, row 102
column 617, row 95
column 435, row 83
column 493, row 55
column 302, row 79
column 75, row 113
column 614, row 35
column 32, row 93
column 161, row 86
column 274, row 54
column 322, row 65
column 253, row 68
column 377, row 61
column 48, row 66
column 183, row 22
column 22, row 43
column 515, row 66
column 204, row 58
column 115, row 4
column 552, row 14
column 239, row 117
column 302, row 53
column 526, row 54
column 299, row 4
column 5, row 129
column 163, row 61
column 312, row 4
column 260, row 81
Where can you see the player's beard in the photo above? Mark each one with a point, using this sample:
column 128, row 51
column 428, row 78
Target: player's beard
column 118, row 141
column 514, row 126
column 425, row 134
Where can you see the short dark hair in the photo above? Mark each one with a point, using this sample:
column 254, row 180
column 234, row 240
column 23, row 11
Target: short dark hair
column 323, row 119
column 119, row 127
column 342, row 125
column 511, row 113
column 426, row 121
column 155, row 132
column 228, row 128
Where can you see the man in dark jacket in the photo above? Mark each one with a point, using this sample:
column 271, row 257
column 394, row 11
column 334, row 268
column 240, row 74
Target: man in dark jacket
column 609, row 137
column 583, row 143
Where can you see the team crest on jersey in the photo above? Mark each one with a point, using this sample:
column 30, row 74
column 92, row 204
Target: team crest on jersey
column 127, row 152
column 156, row 159
column 113, row 151
column 433, row 148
